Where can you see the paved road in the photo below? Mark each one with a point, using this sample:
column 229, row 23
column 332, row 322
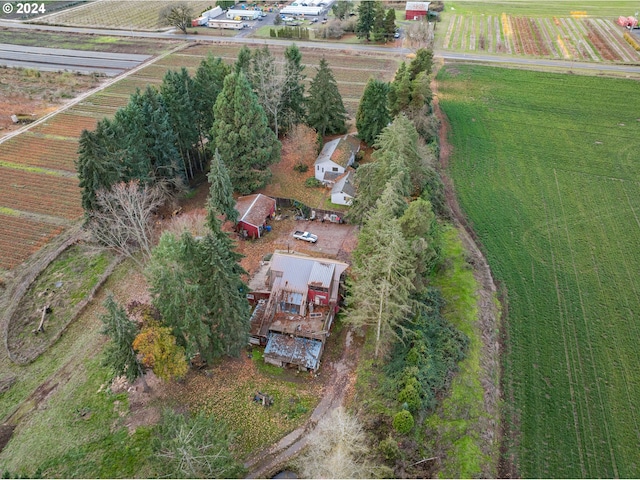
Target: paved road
column 55, row 59
column 447, row 56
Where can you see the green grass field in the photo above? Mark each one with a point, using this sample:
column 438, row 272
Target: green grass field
column 599, row 8
column 545, row 167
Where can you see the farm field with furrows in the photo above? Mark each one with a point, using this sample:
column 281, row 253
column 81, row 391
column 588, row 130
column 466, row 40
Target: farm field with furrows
column 37, row 172
column 545, row 168
column 20, row 237
column 118, row 14
column 578, row 38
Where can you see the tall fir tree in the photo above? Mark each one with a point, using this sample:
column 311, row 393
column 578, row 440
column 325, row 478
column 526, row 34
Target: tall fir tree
column 390, row 23
column 293, row 102
column 208, row 83
column 243, row 62
column 242, row 135
column 379, row 31
column 119, row 353
column 400, row 90
column 383, row 272
column 196, row 286
column 423, row 62
column 326, row 109
column 179, row 94
column 220, row 199
column 366, row 18
column 373, row 115
column 99, row 162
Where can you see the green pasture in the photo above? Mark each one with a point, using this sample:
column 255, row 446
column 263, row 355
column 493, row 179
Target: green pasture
column 546, row 168
column 563, row 8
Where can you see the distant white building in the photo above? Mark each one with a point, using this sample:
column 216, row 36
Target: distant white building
column 298, row 9
column 243, row 14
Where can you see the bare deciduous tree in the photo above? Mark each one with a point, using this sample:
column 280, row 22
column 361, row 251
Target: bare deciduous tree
column 269, row 82
column 337, row 448
column 123, row 219
column 178, row 15
column 421, row 34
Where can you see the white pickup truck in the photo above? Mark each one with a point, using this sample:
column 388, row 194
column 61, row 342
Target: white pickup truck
column 306, row 236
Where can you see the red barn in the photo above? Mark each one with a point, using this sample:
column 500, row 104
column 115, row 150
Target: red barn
column 253, row 213
column 416, row 10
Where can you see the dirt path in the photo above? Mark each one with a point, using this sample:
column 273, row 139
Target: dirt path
column 338, row 387
column 489, row 315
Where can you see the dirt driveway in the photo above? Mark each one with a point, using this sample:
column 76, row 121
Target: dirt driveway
column 334, row 240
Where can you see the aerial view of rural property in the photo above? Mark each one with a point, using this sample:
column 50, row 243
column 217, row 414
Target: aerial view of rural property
column 319, row 239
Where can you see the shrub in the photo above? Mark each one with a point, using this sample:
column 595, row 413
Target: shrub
column 312, row 182
column 301, row 167
column 409, row 395
column 403, row 421
column 389, row 448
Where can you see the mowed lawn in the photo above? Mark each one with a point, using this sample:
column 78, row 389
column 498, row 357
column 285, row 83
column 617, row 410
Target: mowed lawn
column 546, row 168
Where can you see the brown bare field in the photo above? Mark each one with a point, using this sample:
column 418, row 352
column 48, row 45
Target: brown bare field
column 34, row 93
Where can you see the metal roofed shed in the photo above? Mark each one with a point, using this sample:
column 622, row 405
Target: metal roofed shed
column 416, row 10
column 284, row 350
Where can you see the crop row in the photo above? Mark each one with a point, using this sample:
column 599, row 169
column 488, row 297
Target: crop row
column 40, row 193
column 66, row 125
column 576, row 38
column 37, row 151
column 21, row 237
column 118, row 14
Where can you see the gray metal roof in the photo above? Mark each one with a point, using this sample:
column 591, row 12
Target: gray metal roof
column 295, row 350
column 297, row 272
column 321, row 274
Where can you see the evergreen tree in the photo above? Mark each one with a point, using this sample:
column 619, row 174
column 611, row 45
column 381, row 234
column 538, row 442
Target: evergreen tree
column 383, row 271
column 242, row 135
column 98, row 162
column 159, row 137
column 420, row 228
column 208, row 83
column 196, row 286
column 119, row 353
column 423, row 62
column 243, row 63
column 366, row 17
column 390, row 23
column 397, row 155
column 179, row 94
column 379, row 31
column 326, row 110
column 373, row 114
column 400, row 90
column 293, row 101
column 221, row 191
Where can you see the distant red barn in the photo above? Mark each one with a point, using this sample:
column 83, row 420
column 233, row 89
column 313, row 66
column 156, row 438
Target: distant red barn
column 253, row 213
column 416, row 10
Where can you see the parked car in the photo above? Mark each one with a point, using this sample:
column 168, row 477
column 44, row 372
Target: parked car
column 306, row 236
column 396, row 35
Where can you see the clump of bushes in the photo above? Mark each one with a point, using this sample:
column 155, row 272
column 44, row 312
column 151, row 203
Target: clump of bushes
column 312, row 182
column 403, row 421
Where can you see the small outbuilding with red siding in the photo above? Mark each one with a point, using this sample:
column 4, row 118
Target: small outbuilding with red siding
column 416, row 10
column 253, row 213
